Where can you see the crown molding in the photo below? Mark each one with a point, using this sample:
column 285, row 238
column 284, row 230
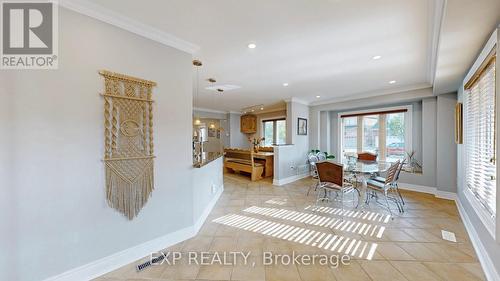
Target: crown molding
column 297, row 100
column 98, row 12
column 438, row 11
column 209, row 110
column 372, row 94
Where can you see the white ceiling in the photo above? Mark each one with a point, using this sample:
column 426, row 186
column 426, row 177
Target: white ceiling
column 466, row 28
column 320, row 47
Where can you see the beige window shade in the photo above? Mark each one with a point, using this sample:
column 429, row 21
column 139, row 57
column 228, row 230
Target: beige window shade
column 480, row 135
column 373, row 113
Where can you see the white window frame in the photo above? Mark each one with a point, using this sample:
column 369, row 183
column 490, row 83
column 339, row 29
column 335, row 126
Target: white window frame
column 408, row 126
column 487, row 220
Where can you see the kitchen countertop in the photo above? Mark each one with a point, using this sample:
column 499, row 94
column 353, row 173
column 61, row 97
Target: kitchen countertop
column 211, row 156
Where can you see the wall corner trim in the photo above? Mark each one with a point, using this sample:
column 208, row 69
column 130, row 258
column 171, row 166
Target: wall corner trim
column 485, row 260
column 107, row 264
column 203, row 217
column 430, row 190
column 287, row 180
column 98, row 12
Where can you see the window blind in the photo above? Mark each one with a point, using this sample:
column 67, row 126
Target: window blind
column 480, row 135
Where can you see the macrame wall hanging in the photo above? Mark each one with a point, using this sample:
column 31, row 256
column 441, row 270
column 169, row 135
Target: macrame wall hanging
column 128, row 149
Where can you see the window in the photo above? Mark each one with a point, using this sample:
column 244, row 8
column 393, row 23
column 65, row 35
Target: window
column 385, row 132
column 371, row 133
column 274, row 131
column 480, row 137
column 350, row 134
column 395, row 136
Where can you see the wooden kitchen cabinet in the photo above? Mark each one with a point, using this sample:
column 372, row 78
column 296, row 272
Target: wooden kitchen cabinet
column 248, row 124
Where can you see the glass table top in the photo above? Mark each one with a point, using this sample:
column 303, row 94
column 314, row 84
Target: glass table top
column 366, row 167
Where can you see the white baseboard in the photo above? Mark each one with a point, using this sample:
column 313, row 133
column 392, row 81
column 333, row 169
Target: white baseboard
column 417, row 188
column 107, row 264
column 430, row 190
column 485, row 260
column 290, row 179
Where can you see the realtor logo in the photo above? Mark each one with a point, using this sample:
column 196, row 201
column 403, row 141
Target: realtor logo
column 29, row 35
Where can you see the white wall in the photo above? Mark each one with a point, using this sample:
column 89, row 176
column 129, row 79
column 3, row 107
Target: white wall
column 236, row 137
column 291, row 160
column 446, row 178
column 63, row 220
column 325, row 120
column 490, row 254
column 208, row 182
column 8, row 192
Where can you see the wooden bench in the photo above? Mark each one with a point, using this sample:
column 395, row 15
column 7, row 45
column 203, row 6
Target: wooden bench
column 240, row 160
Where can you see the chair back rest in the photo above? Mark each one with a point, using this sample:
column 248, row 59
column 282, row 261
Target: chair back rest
column 367, row 156
column 312, row 159
column 330, row 172
column 321, row 156
column 239, row 154
column 398, row 171
column 391, row 173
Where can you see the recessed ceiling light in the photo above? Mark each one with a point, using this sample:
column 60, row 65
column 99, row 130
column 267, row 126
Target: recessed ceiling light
column 261, row 108
column 252, row 45
column 318, row 97
column 392, row 82
column 285, row 84
column 253, row 110
column 377, row 57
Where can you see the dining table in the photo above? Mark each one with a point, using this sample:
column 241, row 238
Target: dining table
column 364, row 170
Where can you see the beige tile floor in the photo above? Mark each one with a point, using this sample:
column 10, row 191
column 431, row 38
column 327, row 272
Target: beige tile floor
column 258, row 217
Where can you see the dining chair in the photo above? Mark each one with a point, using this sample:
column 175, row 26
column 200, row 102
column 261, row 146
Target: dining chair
column 395, row 182
column 313, row 159
column 321, row 156
column 367, row 156
column 331, row 178
column 385, row 187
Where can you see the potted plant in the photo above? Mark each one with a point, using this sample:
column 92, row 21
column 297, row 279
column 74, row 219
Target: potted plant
column 256, row 143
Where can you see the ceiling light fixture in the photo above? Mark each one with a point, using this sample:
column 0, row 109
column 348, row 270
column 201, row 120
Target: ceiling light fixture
column 253, row 108
column 392, row 82
column 252, row 46
column 318, row 97
column 285, row 84
column 377, row 57
column 197, row 64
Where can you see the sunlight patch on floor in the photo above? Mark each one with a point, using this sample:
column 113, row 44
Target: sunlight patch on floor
column 366, row 215
column 277, row 201
column 312, row 219
column 318, row 239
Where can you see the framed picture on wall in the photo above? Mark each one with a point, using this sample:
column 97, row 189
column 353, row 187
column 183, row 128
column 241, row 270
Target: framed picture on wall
column 302, row 126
